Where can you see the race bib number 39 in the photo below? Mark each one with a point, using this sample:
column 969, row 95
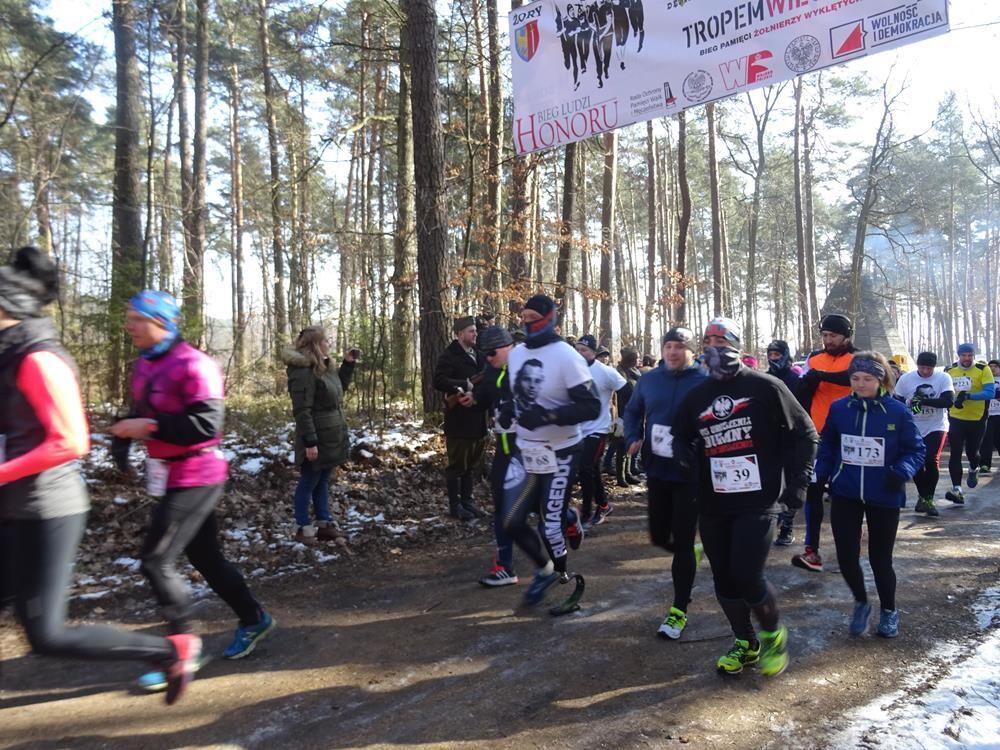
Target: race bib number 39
column 862, row 451
column 662, row 441
column 736, row 474
column 538, row 459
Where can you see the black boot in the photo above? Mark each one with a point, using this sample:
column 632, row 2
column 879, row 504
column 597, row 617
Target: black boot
column 468, row 504
column 620, row 471
column 455, row 509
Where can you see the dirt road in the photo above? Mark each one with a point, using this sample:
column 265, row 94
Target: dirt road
column 410, row 651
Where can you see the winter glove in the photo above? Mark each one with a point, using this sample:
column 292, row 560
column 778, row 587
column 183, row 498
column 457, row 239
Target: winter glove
column 960, row 399
column 793, row 497
column 812, row 378
column 534, row 418
column 916, row 405
column 119, row 453
column 505, row 415
column 894, row 482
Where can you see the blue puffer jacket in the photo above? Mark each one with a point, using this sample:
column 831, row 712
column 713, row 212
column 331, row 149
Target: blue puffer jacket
column 657, row 397
column 891, row 425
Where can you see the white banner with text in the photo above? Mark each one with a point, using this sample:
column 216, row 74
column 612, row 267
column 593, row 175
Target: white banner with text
column 583, row 68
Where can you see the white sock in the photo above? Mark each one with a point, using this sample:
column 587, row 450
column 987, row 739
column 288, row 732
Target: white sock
column 956, row 488
column 548, row 570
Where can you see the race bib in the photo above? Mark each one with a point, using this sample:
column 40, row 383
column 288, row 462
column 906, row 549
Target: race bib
column 157, row 472
column 618, row 428
column 962, row 383
column 737, row 474
column 994, row 407
column 538, row 459
column 862, row 451
column 662, row 441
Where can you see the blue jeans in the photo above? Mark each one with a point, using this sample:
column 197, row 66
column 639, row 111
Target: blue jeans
column 313, row 485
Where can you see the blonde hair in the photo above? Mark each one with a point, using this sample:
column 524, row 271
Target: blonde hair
column 308, row 343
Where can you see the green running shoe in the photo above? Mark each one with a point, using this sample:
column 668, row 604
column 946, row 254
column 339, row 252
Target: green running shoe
column 921, row 506
column 699, row 550
column 737, row 657
column 673, row 624
column 773, row 651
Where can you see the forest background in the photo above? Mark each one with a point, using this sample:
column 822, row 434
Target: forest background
column 277, row 163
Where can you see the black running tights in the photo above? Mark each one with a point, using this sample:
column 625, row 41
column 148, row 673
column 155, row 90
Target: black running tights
column 673, row 519
column 845, row 520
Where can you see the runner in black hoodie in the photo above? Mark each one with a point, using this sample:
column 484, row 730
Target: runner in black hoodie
column 741, row 431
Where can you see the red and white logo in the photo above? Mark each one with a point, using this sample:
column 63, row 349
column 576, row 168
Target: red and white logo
column 746, row 71
column 848, row 39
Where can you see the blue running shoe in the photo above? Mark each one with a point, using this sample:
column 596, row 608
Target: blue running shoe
column 539, row 585
column 888, row 624
column 247, row 637
column 859, row 620
column 155, row 681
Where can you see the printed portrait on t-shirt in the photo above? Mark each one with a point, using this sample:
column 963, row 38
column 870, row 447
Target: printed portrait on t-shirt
column 528, row 384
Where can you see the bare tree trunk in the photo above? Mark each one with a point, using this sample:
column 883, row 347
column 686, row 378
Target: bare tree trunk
column 236, row 177
column 805, row 339
column 404, row 238
column 562, row 293
column 713, row 181
column 430, row 192
column 683, row 222
column 280, row 317
column 493, row 176
column 194, row 257
column 126, row 201
column 180, row 89
column 652, row 211
column 608, row 231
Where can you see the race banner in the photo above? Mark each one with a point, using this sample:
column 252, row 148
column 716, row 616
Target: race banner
column 587, row 67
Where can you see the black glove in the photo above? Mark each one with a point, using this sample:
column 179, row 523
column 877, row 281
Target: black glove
column 792, row 497
column 505, row 415
column 960, row 399
column 812, row 378
column 916, row 405
column 119, row 453
column 534, row 418
column 894, row 482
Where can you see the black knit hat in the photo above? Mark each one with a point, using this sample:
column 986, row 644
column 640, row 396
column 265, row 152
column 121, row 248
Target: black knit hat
column 28, row 283
column 837, row 323
column 494, row 337
column 779, row 346
column 927, row 359
column 541, row 304
column 588, row 341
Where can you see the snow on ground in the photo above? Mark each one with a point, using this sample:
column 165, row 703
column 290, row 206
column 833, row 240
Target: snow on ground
column 960, row 712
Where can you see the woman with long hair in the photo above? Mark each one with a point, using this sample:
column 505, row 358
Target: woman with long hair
column 321, row 437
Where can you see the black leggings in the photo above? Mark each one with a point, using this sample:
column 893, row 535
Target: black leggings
column 38, row 559
column 591, row 486
column 673, row 518
column 184, row 521
column 544, row 494
column 967, row 434
column 926, row 478
column 814, row 513
column 737, row 549
column 498, row 473
column 845, row 520
column 991, row 442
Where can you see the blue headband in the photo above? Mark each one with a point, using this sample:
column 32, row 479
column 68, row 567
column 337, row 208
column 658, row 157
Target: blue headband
column 162, row 308
column 869, row 366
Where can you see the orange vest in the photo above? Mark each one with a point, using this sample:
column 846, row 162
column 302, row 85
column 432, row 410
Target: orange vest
column 827, row 393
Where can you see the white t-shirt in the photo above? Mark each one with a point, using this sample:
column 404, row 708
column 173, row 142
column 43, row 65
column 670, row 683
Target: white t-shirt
column 543, row 377
column 930, row 419
column 607, row 380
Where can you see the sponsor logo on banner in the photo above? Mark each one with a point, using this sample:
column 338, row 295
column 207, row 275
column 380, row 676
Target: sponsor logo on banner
column 903, row 21
column 668, row 95
column 848, row 39
column 746, row 71
column 802, row 53
column 526, row 41
column 698, row 85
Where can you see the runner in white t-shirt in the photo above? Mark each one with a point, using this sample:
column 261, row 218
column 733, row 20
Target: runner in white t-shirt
column 929, row 395
column 607, row 381
column 553, row 395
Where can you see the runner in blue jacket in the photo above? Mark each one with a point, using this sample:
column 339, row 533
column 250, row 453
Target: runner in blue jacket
column 869, row 448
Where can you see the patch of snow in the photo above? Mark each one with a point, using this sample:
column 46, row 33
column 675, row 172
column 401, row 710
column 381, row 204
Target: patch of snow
column 961, row 712
column 119, row 500
column 252, row 466
column 129, row 563
column 95, row 594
